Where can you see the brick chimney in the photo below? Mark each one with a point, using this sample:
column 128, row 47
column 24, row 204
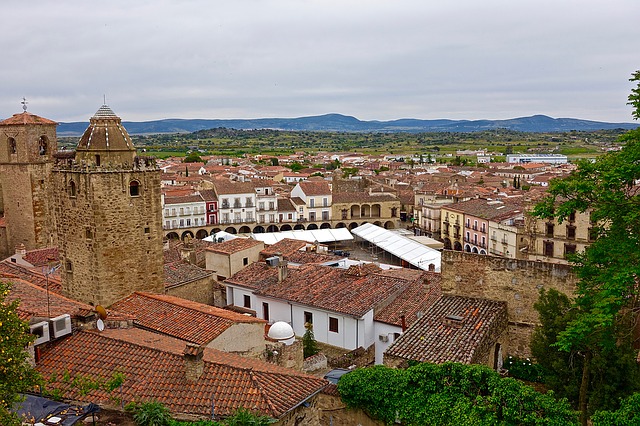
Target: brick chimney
column 193, row 363
column 283, row 270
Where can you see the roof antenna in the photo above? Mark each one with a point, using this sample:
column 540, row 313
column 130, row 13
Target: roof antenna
column 104, row 98
column 24, row 104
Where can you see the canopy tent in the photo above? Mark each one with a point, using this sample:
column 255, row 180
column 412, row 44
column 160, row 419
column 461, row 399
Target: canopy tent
column 216, row 238
column 310, row 236
column 405, row 248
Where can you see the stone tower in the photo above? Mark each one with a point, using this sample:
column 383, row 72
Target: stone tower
column 27, row 146
column 108, row 215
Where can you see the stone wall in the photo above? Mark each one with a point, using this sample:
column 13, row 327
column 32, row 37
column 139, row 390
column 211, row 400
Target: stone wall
column 205, row 290
column 517, row 282
column 110, row 242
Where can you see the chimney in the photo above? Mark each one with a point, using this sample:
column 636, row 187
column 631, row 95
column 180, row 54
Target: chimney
column 193, row 363
column 432, row 267
column 188, row 252
column 283, row 270
column 403, row 320
column 21, row 249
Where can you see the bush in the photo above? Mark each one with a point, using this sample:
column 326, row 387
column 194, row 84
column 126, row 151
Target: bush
column 151, row 413
column 524, row 369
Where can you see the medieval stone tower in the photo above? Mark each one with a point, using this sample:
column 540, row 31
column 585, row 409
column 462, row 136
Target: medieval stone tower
column 108, row 215
column 27, row 146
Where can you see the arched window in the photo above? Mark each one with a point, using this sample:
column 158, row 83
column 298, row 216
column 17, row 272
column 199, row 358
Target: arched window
column 42, row 145
column 11, row 143
column 72, row 189
column 134, row 188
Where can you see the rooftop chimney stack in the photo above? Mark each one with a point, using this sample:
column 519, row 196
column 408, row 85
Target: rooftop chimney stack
column 283, row 270
column 193, row 363
column 21, row 249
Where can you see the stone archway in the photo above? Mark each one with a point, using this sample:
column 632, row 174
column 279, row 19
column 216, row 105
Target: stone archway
column 355, row 211
column 312, row 226
column 215, row 231
column 258, row 230
column 467, row 248
column 483, row 252
column 231, row 230
column 341, row 225
column 353, row 225
column 285, row 228
column 447, row 244
column 377, row 223
column 457, row 246
column 325, row 226
column 187, row 234
column 202, row 233
column 475, row 250
column 244, row 230
column 272, row 228
column 389, row 225
column 173, row 236
column 298, row 227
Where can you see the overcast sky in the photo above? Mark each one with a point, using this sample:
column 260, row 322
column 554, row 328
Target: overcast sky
column 375, row 60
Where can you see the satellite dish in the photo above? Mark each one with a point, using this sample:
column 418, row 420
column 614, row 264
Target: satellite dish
column 102, row 312
column 100, row 324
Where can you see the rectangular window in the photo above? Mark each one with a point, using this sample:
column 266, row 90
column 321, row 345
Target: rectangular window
column 333, row 324
column 312, row 202
column 571, row 232
column 549, row 230
column 265, row 311
column 247, row 301
column 308, row 317
column 272, row 205
column 188, row 222
column 569, row 249
column 325, row 202
column 245, row 261
column 181, row 211
column 548, row 248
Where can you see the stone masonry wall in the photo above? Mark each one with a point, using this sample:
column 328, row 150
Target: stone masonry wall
column 518, row 282
column 110, row 242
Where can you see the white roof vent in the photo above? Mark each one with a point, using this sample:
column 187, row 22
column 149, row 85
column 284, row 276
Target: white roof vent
column 282, row 332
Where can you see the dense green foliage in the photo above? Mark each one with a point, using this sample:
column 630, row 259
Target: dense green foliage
column 524, row 369
column 153, row 413
column 193, row 157
column 309, row 343
column 16, row 374
column 450, row 394
column 608, row 270
column 627, row 415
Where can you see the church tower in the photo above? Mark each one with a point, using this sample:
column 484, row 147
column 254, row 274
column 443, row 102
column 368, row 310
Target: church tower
column 27, row 146
column 108, row 215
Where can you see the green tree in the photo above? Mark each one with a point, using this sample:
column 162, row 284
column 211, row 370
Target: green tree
column 192, row 157
column 450, row 394
column 309, row 343
column 634, row 97
column 608, row 270
column 16, row 374
column 627, row 415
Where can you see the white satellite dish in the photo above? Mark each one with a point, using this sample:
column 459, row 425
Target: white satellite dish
column 100, row 324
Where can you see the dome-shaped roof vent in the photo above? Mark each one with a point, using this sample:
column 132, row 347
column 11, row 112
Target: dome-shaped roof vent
column 282, row 332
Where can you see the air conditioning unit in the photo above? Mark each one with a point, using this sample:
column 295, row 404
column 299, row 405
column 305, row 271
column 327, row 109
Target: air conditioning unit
column 272, row 261
column 384, row 338
column 41, row 331
column 60, row 326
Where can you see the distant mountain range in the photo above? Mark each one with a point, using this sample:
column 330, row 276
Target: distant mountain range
column 344, row 123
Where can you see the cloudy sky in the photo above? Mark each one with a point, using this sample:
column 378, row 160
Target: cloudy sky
column 375, row 60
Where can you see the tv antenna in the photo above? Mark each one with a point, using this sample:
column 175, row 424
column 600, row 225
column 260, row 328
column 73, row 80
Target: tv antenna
column 24, row 104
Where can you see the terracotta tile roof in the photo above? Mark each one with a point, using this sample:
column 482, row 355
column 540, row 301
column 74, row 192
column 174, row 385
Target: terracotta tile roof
column 154, row 369
column 25, row 118
column 33, row 300
column 42, row 257
column 180, row 272
column 234, row 246
column 487, row 209
column 434, row 338
column 183, row 319
column 9, row 270
column 322, row 287
column 312, row 187
column 174, row 252
column 297, row 201
column 311, row 257
column 208, row 195
column 183, row 199
column 226, row 187
column 414, row 301
column 285, row 205
column 285, row 247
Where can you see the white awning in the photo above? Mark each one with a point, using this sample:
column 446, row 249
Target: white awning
column 310, row 236
column 405, row 248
